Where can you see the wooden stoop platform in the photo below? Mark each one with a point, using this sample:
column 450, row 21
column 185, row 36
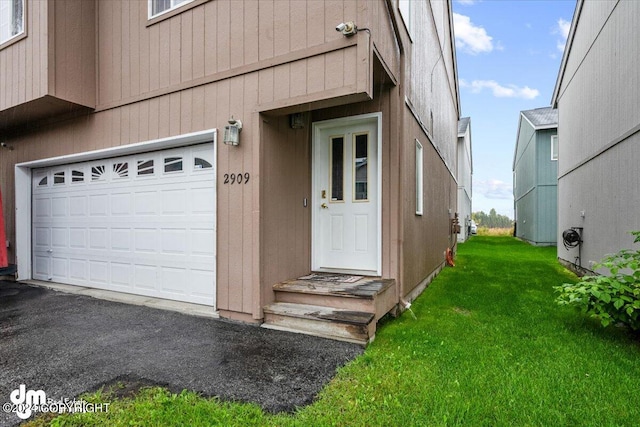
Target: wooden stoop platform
column 331, row 309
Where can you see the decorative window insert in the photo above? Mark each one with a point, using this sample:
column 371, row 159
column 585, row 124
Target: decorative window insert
column 77, row 176
column 43, row 182
column 360, row 173
column 172, row 164
column 554, row 147
column 98, row 173
column 158, row 7
column 121, row 170
column 336, row 168
column 145, row 167
column 419, row 178
column 200, row 163
column 58, row 178
column 11, row 19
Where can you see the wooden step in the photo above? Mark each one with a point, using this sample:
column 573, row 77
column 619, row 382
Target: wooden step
column 327, row 322
column 358, row 296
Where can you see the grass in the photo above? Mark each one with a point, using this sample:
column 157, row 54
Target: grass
column 489, row 348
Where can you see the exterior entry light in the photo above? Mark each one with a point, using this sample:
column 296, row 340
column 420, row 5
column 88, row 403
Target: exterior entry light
column 232, row 132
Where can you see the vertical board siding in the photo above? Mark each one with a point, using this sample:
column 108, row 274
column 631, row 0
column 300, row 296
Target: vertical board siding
column 598, row 134
column 601, row 80
column 263, row 230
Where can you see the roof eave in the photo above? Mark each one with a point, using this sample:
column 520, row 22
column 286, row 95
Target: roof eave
column 565, row 54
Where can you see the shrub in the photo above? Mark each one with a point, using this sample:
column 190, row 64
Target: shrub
column 614, row 297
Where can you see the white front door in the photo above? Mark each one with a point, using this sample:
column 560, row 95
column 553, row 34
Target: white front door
column 346, row 196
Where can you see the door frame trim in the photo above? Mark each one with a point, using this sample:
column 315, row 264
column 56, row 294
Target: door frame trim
column 23, row 186
column 318, row 127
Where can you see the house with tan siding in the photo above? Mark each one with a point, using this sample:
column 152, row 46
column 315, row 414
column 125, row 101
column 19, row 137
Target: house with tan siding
column 291, row 164
column 596, row 94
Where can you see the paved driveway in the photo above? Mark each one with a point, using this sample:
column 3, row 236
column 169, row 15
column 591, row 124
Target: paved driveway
column 68, row 344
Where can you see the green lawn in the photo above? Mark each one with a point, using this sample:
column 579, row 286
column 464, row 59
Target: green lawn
column 489, row 347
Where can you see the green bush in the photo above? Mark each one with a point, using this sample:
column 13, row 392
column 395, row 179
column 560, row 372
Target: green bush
column 614, row 297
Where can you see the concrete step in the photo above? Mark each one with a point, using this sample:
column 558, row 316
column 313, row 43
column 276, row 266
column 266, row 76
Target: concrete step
column 327, row 322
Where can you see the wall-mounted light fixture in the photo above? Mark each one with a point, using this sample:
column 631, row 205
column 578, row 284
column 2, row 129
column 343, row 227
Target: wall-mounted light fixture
column 232, row 132
column 4, row 145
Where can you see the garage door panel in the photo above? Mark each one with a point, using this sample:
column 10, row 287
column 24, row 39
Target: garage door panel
column 202, row 241
column 146, row 228
column 99, row 271
column 42, row 266
column 98, row 205
column 172, row 280
column 42, row 238
column 78, row 206
column 121, row 239
column 121, row 204
column 145, row 276
column 98, row 238
column 42, row 207
column 59, row 268
column 78, row 269
column 121, row 275
column 59, row 237
column 202, row 201
column 60, row 206
column 146, row 240
column 174, row 202
column 77, row 238
column 174, row 241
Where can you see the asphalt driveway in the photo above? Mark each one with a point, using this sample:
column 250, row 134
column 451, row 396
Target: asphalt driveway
column 68, row 344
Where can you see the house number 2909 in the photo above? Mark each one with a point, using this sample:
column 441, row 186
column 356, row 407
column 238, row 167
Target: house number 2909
column 236, row 178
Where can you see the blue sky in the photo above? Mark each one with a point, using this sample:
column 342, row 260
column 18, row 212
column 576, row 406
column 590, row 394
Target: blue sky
column 508, row 53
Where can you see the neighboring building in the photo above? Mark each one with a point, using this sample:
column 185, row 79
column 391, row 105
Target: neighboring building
column 115, row 113
column 535, row 177
column 465, row 175
column 597, row 95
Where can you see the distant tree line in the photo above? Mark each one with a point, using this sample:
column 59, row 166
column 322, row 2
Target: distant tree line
column 492, row 220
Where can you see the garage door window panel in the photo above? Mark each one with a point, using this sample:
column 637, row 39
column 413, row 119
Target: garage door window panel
column 172, row 164
column 121, row 170
column 77, row 176
column 58, row 178
column 98, row 173
column 145, row 167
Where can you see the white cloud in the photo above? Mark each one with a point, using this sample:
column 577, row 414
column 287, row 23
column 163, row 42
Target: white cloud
column 494, row 189
column 470, row 38
column 500, row 91
column 562, row 28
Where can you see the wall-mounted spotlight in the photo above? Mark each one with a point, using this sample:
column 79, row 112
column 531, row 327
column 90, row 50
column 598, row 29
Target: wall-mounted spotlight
column 232, row 132
column 4, row 145
column 347, row 28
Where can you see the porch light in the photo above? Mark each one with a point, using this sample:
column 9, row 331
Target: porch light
column 232, row 132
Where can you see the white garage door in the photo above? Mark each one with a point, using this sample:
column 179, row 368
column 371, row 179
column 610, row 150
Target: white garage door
column 142, row 224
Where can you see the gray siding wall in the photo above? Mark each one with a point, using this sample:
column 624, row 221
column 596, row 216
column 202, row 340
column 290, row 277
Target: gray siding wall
column 599, row 116
column 546, row 188
column 464, row 184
